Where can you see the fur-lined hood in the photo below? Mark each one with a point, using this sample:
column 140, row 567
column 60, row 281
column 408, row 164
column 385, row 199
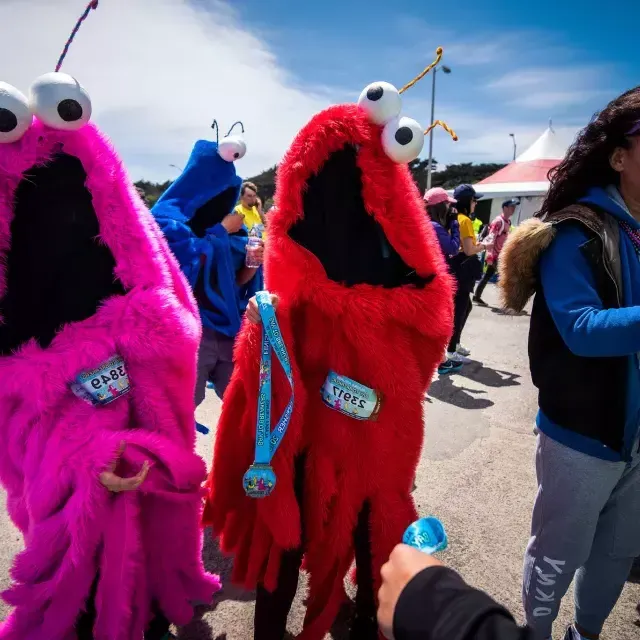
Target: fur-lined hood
column 518, row 273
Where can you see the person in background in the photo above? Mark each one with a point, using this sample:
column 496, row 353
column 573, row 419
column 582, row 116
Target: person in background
column 421, row 599
column 466, row 268
column 497, row 235
column 250, row 206
column 445, row 223
column 580, row 257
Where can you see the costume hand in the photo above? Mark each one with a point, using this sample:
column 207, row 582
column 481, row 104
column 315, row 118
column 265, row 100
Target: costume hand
column 115, row 483
column 404, row 563
column 233, row 222
column 253, row 315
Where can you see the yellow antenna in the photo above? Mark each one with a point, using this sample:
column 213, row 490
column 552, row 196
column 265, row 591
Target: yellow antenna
column 445, row 126
column 424, row 73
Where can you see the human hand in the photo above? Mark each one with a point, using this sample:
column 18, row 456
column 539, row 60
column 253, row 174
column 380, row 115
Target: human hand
column 404, row 564
column 114, row 483
column 233, row 222
column 487, row 245
column 253, row 315
column 257, row 254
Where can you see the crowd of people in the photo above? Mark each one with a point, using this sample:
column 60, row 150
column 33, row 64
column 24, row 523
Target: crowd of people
column 115, row 320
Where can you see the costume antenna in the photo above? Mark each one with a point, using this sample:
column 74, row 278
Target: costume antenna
column 92, row 5
column 445, row 126
column 423, row 73
column 215, row 127
column 234, row 125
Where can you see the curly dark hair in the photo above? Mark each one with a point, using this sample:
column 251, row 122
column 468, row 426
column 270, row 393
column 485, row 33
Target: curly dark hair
column 587, row 161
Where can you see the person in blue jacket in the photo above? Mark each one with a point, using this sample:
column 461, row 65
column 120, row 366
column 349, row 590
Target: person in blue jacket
column 210, row 241
column 581, row 258
column 444, row 219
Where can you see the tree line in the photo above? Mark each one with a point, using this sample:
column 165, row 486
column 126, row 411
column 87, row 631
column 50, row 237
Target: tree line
column 451, row 176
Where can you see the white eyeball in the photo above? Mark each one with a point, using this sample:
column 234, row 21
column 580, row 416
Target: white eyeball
column 402, row 140
column 15, row 116
column 381, row 101
column 232, row 148
column 60, row 101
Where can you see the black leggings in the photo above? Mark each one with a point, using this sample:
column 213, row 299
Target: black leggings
column 488, row 274
column 272, row 608
column 462, row 308
column 84, row 626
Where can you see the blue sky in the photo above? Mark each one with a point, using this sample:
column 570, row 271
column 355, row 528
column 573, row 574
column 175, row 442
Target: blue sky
column 514, row 63
column 159, row 72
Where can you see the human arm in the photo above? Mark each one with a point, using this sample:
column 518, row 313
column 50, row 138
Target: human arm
column 420, row 599
column 467, row 235
column 449, row 239
column 471, row 248
column 570, row 291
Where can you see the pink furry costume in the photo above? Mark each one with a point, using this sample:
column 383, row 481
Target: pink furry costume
column 364, row 292
column 85, row 275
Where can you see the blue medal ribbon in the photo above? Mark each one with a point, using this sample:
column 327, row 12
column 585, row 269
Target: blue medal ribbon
column 260, row 479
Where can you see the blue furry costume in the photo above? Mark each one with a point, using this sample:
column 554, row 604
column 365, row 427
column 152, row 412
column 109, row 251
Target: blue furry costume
column 190, row 213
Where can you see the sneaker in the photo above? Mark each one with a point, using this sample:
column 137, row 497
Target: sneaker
column 462, row 351
column 449, row 366
column 456, row 357
column 480, row 302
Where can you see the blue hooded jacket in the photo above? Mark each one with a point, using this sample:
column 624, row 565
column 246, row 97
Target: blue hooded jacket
column 189, row 213
column 588, row 329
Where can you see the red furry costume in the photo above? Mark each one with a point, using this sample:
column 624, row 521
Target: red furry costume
column 364, row 291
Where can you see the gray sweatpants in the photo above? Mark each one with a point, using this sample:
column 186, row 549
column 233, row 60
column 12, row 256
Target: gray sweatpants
column 215, row 361
column 586, row 522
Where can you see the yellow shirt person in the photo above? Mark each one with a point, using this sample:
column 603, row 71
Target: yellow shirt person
column 247, row 206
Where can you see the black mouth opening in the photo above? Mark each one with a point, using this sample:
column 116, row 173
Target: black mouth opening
column 213, row 211
column 337, row 229
column 57, row 271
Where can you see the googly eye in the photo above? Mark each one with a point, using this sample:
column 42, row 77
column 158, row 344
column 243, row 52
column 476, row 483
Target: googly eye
column 60, row 101
column 402, row 139
column 15, row 116
column 232, row 148
column 381, row 101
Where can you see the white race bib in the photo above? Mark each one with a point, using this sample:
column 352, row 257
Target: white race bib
column 350, row 397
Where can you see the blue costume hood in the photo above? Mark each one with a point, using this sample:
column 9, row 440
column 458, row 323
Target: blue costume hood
column 189, row 213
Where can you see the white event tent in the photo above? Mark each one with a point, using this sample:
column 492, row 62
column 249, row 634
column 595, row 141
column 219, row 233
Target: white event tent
column 524, row 178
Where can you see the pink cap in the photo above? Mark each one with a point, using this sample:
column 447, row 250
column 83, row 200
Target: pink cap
column 438, row 195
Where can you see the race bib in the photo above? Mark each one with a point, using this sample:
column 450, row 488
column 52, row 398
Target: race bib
column 104, row 384
column 350, row 397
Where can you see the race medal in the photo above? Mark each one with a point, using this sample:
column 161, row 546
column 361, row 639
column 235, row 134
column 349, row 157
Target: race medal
column 259, row 481
column 350, row 397
column 427, row 535
column 104, row 384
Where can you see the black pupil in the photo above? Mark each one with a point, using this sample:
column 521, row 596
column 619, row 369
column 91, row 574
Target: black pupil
column 404, row 135
column 8, row 121
column 70, row 110
column 375, row 93
column 236, row 155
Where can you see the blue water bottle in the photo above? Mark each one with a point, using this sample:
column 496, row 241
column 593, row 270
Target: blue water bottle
column 427, row 535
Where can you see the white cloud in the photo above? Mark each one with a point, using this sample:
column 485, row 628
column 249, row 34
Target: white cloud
column 546, row 88
column 159, row 73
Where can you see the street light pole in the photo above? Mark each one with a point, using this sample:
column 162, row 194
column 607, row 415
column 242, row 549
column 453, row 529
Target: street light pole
column 513, row 135
column 433, row 115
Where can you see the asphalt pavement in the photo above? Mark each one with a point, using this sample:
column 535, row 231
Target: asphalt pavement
column 476, row 474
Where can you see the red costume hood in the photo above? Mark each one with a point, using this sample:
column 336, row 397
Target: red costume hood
column 364, row 291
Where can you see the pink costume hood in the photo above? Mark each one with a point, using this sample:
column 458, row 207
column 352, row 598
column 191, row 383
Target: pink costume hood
column 86, row 276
